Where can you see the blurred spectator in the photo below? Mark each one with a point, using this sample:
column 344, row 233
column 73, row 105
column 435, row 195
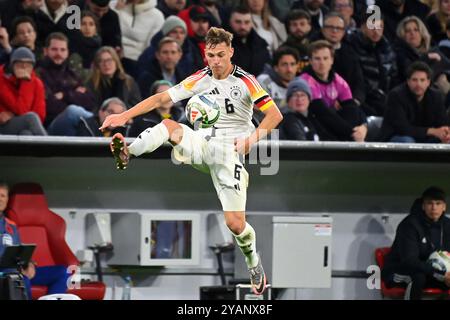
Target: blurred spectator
column 281, row 8
column 23, row 34
column 331, row 88
column 312, row 120
column 196, row 10
column 175, row 28
column 88, row 40
column 164, row 66
column 54, row 277
column 109, row 22
column 378, row 64
column 139, row 21
column 265, row 24
column 425, row 230
column 220, row 13
column 110, row 80
column 171, row 7
column 346, row 9
column 51, row 17
column 11, row 9
column 66, row 97
column 276, row 77
column 250, row 50
column 437, row 21
column 166, row 111
column 199, row 21
column 298, row 26
column 346, row 61
column 414, row 44
column 22, row 97
column 395, row 11
column 415, row 112
column 316, row 9
column 88, row 126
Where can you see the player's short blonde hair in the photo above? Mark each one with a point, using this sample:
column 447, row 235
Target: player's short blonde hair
column 218, row 35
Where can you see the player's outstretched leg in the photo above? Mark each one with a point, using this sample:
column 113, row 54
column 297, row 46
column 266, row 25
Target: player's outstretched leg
column 246, row 239
column 148, row 141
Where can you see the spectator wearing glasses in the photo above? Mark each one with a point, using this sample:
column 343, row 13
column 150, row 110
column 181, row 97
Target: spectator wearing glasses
column 346, row 62
column 346, row 9
column 110, row 80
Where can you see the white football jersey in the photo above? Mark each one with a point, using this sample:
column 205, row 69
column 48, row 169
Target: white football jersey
column 236, row 95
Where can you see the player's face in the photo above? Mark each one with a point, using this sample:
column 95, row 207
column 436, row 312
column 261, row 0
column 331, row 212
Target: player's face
column 88, row 28
column 418, row 83
column 57, row 51
column 219, row 58
column 25, row 35
column 3, row 199
column 322, row 61
column 299, row 102
column 334, row 29
column 412, row 34
column 286, row 67
column 434, row 209
column 299, row 28
column 241, row 24
column 178, row 34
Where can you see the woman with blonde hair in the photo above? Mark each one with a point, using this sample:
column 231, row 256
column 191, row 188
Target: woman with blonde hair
column 437, row 21
column 110, row 80
column 414, row 44
column 265, row 24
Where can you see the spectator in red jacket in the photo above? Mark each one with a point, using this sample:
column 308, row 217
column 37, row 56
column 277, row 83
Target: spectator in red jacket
column 22, row 96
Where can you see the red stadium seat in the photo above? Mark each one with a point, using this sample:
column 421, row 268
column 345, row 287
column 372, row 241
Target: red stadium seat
column 397, row 292
column 37, row 224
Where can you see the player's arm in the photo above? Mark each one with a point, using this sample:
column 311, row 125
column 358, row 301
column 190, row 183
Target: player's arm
column 147, row 105
column 272, row 118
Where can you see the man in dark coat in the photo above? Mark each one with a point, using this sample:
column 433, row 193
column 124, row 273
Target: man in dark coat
column 425, row 230
column 416, row 112
column 250, row 50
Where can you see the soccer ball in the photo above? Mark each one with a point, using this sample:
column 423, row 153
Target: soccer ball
column 202, row 110
column 440, row 260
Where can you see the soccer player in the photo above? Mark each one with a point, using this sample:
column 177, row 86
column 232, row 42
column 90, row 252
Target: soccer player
column 236, row 92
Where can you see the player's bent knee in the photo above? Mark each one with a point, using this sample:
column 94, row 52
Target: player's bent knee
column 235, row 221
column 175, row 130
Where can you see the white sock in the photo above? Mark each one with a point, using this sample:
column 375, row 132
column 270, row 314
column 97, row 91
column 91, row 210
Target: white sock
column 247, row 243
column 149, row 140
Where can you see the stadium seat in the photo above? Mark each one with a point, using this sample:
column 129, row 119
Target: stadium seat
column 398, row 292
column 37, row 224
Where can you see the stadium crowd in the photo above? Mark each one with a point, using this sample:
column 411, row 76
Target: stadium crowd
column 336, row 71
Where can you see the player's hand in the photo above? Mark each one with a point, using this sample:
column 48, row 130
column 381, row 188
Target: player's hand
column 113, row 121
column 242, row 146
